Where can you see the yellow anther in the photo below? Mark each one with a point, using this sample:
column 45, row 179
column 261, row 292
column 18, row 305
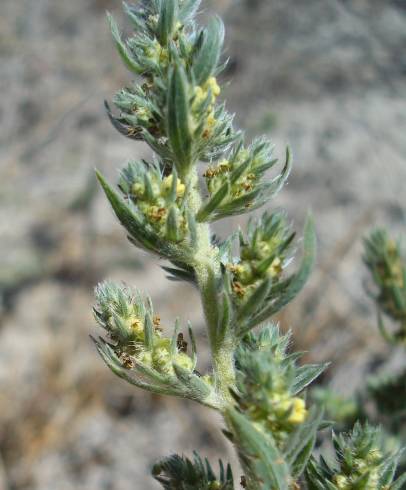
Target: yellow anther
column 143, row 113
column 136, row 325
column 138, row 189
column 184, row 361
column 299, row 412
column 213, row 85
column 200, row 95
column 211, row 120
column 275, row 269
column 167, row 185
column 341, row 481
column 156, row 213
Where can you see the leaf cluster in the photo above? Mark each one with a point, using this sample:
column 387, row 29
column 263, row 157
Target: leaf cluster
column 166, row 209
column 273, row 430
column 387, row 264
column 360, row 464
column 180, row 473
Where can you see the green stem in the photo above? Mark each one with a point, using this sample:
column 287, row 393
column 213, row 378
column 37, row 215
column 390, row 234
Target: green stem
column 208, row 273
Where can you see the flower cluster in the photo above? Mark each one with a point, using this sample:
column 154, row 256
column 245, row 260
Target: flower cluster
column 264, row 253
column 135, row 332
column 149, row 110
column 180, row 472
column 360, row 463
column 237, row 182
column 157, row 197
column 173, row 106
column 269, row 383
column 387, row 265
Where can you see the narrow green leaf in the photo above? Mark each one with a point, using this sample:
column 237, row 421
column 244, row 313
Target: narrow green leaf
column 300, row 463
column 305, row 433
column 197, row 388
column 208, row 55
column 132, row 15
column 306, row 375
column 173, row 225
column 298, row 280
column 148, row 332
column 225, row 316
column 192, row 226
column 389, row 470
column 129, row 220
column 178, row 126
column 177, row 274
column 264, row 265
column 399, row 483
column 149, row 194
column 213, row 203
column 255, row 301
column 236, row 174
column 128, row 60
column 113, row 363
column 167, row 20
column 193, row 344
column 261, row 459
column 174, row 340
column 188, row 9
column 391, row 339
column 173, row 193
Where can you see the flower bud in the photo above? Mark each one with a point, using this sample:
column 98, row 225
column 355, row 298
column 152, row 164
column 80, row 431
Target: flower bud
column 359, row 458
column 264, row 253
column 265, row 383
column 157, row 197
column 135, row 333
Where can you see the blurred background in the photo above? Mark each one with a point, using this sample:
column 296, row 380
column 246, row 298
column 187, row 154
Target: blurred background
column 326, row 77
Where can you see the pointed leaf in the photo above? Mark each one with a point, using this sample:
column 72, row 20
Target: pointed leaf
column 296, row 283
column 306, row 375
column 178, row 119
column 196, row 387
column 261, row 459
column 188, row 9
column 255, row 301
column 208, row 55
column 167, row 20
column 128, row 60
column 213, row 203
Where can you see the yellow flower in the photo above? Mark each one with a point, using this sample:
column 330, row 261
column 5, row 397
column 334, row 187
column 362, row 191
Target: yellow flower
column 299, row 412
column 184, row 361
column 157, row 53
column 200, row 95
column 146, row 358
column 211, row 120
column 341, row 481
column 208, row 379
column 215, row 485
column 164, row 56
column 153, row 20
column 161, row 360
column 275, row 268
column 138, row 189
column 136, row 325
column 157, row 213
column 213, row 85
column 143, row 113
column 167, row 185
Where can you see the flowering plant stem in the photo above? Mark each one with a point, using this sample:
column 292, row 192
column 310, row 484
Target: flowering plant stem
column 208, row 273
column 166, row 209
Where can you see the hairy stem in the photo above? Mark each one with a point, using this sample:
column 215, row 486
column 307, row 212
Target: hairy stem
column 208, row 273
